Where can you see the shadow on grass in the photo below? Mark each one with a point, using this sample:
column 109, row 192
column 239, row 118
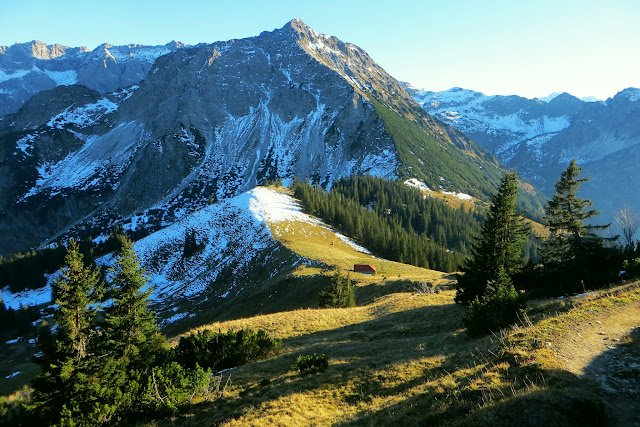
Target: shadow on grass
column 363, row 358
column 565, row 400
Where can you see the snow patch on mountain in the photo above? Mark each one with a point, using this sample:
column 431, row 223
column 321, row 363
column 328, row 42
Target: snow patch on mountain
column 83, row 116
column 18, row 74
column 416, row 183
column 632, row 94
column 28, row 297
column 63, row 78
column 549, row 97
column 95, row 156
column 232, row 233
column 25, row 144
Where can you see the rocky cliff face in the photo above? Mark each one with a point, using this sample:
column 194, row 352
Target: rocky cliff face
column 208, row 122
column 539, row 138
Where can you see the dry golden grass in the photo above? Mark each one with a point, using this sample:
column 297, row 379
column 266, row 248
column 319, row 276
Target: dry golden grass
column 406, row 360
column 318, row 243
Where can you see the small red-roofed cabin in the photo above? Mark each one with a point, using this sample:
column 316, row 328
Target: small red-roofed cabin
column 364, row 268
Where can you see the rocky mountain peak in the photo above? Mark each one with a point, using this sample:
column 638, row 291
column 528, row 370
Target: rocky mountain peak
column 41, row 50
column 631, row 93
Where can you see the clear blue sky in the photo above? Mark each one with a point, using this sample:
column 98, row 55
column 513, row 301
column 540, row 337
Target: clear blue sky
column 529, row 48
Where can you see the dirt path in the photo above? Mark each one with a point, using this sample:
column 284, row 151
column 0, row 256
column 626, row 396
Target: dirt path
column 593, row 352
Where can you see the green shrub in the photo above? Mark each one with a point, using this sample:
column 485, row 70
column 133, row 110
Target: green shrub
column 171, row 386
column 632, row 267
column 311, row 363
column 498, row 307
column 338, row 293
column 224, row 350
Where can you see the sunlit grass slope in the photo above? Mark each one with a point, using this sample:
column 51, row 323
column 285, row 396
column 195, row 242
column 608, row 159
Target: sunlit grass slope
column 405, row 360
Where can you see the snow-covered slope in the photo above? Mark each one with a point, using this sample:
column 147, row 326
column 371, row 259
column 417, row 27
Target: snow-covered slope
column 499, row 122
column 236, row 258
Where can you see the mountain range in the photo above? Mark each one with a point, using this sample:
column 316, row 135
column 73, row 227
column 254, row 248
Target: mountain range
column 539, row 137
column 206, row 123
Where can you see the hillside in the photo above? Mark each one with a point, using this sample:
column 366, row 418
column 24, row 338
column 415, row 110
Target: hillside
column 400, row 356
column 404, row 360
column 257, row 253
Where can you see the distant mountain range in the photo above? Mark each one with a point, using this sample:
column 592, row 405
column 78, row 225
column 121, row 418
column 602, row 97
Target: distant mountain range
column 539, row 137
column 121, row 133
column 29, row 68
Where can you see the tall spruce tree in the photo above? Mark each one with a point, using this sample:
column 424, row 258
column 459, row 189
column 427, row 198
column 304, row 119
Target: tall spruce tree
column 499, row 245
column 65, row 387
column 131, row 331
column 572, row 241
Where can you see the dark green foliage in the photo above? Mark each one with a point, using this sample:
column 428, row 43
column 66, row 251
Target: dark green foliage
column 171, row 386
column 499, row 247
column 574, row 250
column 74, row 292
column 99, row 369
column 27, row 270
column 18, row 319
column 67, row 363
column 130, row 327
column 497, row 308
column 338, row 293
column 220, row 351
column 392, row 220
column 631, row 268
column 311, row 363
column 428, row 154
column 438, row 157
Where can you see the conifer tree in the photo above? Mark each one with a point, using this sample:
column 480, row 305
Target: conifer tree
column 497, row 308
column 572, row 240
column 499, row 245
column 130, row 326
column 339, row 293
column 64, row 388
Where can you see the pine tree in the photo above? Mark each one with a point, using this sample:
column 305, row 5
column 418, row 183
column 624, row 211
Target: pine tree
column 497, row 308
column 571, row 241
column 130, row 327
column 64, row 388
column 339, row 293
column 499, row 245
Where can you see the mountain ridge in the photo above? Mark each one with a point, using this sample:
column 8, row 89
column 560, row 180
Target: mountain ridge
column 211, row 121
column 540, row 138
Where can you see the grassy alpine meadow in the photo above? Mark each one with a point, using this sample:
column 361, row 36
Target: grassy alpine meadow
column 405, row 359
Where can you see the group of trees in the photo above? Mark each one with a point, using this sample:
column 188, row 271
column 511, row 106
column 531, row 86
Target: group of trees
column 574, row 256
column 102, row 362
column 393, row 221
column 26, row 270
